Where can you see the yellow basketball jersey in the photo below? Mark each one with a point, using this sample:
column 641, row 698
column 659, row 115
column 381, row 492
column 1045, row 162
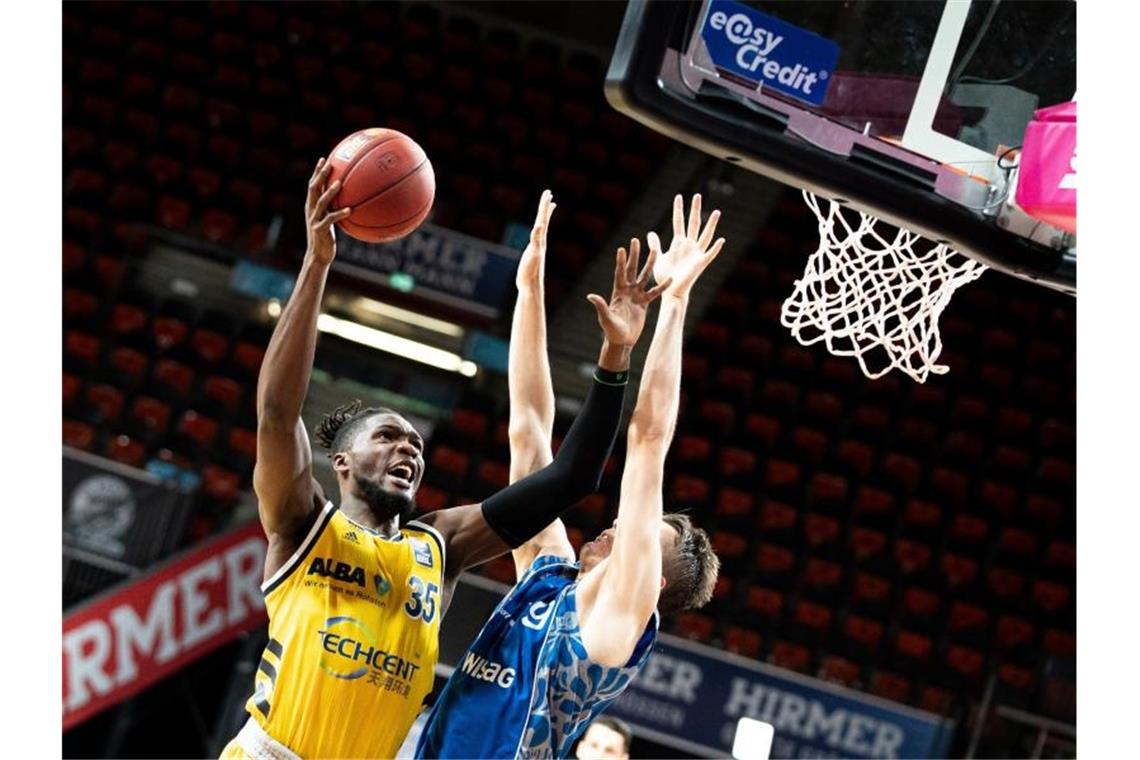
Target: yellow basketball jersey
column 353, row 639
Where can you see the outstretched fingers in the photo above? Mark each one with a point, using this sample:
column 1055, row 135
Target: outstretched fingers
column 678, row 217
column 709, row 231
column 619, row 269
column 333, row 218
column 325, row 199
column 647, row 270
column 655, row 292
column 695, row 217
column 634, row 258
column 317, row 181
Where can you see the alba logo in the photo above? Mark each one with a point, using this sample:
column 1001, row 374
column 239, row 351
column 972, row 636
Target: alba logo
column 327, row 567
column 381, row 584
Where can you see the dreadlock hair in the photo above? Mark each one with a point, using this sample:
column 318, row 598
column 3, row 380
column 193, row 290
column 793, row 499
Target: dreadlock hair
column 691, row 571
column 338, row 427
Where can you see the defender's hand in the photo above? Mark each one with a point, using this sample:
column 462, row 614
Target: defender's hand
column 318, row 221
column 623, row 318
column 689, row 253
column 532, row 264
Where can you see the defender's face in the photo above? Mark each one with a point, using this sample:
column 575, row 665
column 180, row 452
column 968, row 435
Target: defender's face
column 597, row 550
column 601, row 743
column 389, row 453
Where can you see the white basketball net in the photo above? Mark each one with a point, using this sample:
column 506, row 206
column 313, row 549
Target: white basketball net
column 875, row 292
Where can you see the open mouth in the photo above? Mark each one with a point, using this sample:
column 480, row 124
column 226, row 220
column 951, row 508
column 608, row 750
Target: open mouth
column 402, row 474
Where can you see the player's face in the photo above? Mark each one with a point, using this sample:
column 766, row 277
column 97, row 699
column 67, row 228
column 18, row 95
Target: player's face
column 601, row 743
column 597, row 550
column 388, row 454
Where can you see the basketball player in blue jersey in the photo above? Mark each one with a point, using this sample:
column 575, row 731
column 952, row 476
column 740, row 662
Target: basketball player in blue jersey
column 570, row 636
column 355, row 591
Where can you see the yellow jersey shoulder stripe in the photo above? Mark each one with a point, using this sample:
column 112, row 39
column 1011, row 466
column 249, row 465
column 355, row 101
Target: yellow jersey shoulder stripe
column 425, row 528
column 291, row 564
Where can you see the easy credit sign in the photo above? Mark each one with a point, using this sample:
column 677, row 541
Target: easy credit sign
column 772, row 53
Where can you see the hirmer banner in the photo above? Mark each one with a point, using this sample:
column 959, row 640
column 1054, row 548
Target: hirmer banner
column 691, row 697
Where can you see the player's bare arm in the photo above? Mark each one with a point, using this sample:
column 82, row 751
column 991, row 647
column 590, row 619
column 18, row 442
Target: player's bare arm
column 622, row 320
column 528, row 380
column 524, row 508
column 282, row 476
column 617, row 603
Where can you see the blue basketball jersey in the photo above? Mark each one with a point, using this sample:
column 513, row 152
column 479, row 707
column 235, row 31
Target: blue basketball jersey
column 526, row 688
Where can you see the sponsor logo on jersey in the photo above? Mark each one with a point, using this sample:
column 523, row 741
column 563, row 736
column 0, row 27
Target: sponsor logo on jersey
column 351, row 537
column 349, row 651
column 421, row 551
column 327, row 567
column 381, row 584
column 537, row 614
column 482, row 669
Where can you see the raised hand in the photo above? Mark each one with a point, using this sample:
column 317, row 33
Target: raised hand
column 689, row 253
column 533, row 261
column 318, row 221
column 623, row 318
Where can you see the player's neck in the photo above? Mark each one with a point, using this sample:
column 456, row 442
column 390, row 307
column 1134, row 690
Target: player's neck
column 362, row 513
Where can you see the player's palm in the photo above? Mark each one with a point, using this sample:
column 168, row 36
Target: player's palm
column 623, row 318
column 689, row 253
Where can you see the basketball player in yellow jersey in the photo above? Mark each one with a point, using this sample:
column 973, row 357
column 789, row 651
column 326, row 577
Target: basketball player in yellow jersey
column 355, row 592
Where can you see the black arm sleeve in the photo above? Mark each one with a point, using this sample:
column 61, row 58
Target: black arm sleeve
column 522, row 509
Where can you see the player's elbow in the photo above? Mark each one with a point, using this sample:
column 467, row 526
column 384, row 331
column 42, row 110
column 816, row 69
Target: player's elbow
column 649, row 434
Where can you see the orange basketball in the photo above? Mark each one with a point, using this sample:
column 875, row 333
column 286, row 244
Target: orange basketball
column 387, row 181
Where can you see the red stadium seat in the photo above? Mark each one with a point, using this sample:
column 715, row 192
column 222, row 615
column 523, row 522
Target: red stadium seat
column 821, row 531
column 71, row 386
column 890, row 686
column 174, row 375
column 859, row 457
column 1004, row 585
column 108, row 401
column 871, row 589
column 963, row 448
column 912, row 557
column 742, row 641
column 695, row 626
column 828, row 490
column 1059, row 643
column 249, row 356
column 919, row 606
column 1060, row 554
column 244, row 442
column 471, row 424
column 786, row 654
column 873, row 503
column 79, row 305
column 952, row 486
column 151, row 413
column 958, row 571
column 220, row 484
column 935, row 700
column 198, row 428
column 865, row 632
column 225, row 390
column 78, row 435
column 812, row 616
column 763, row 428
column 866, row 544
column 729, row 546
column 822, row 407
column 914, row 647
column 969, row 530
column 169, row 332
column 822, row 577
column 81, row 347
column 777, row 520
column 838, row 670
column 811, row 445
column 1051, row 597
column 209, row 346
column 775, row 564
column 1013, row 632
column 1043, row 511
column 903, row 471
column 430, row 499
column 688, row 489
column 735, row 462
column 967, row 619
column 733, row 504
column 692, row 449
column 767, row 602
column 965, row 662
column 122, row 448
column 449, row 460
column 999, row 498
